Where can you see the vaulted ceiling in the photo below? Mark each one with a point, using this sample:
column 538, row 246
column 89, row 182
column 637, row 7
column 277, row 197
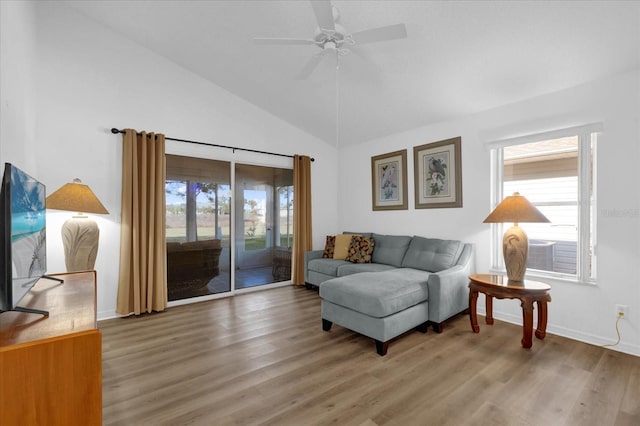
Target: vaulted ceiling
column 459, row 57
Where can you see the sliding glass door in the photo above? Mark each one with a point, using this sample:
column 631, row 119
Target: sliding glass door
column 263, row 225
column 199, row 226
column 198, row 230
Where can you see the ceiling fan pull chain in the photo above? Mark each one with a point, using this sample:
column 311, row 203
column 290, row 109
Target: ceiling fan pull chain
column 337, row 99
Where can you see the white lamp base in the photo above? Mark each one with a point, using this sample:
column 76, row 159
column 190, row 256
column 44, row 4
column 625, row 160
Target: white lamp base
column 80, row 236
column 515, row 249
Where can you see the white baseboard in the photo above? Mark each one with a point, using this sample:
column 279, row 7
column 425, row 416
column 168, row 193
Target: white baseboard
column 580, row 336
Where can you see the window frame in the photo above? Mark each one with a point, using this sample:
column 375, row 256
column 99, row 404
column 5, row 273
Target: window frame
column 278, row 207
column 586, row 270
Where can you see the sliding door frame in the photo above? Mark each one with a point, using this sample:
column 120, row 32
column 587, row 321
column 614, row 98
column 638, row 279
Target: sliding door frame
column 198, row 153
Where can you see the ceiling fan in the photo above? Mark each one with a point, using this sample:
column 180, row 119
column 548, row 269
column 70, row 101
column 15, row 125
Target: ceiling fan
column 331, row 37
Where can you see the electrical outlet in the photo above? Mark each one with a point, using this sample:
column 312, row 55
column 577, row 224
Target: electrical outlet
column 621, row 310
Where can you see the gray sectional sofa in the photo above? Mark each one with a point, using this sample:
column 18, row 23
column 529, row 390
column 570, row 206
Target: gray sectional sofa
column 411, row 282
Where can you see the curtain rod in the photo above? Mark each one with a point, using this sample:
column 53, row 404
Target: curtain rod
column 116, row 131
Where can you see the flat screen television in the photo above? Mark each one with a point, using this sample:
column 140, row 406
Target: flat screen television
column 22, row 237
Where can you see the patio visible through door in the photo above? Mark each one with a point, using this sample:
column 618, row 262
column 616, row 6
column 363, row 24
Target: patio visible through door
column 199, row 212
column 263, row 225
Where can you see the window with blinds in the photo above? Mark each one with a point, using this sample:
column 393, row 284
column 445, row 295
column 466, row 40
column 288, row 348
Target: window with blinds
column 556, row 173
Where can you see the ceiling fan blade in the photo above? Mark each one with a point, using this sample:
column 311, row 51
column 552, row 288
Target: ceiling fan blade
column 324, row 14
column 390, row 32
column 310, row 65
column 266, row 40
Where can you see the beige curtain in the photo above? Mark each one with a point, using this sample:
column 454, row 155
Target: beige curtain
column 142, row 284
column 302, row 237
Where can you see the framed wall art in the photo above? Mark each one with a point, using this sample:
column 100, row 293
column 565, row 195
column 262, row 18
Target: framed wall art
column 389, row 181
column 438, row 174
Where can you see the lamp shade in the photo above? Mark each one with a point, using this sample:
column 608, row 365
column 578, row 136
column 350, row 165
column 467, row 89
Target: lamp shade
column 75, row 197
column 517, row 209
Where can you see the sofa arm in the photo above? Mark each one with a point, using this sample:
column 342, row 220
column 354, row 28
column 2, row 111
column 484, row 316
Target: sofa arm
column 448, row 292
column 310, row 255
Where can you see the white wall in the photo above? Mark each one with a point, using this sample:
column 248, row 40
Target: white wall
column 87, row 79
column 583, row 312
column 17, row 85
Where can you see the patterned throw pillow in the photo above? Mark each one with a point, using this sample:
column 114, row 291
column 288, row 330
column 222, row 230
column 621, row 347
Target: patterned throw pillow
column 360, row 249
column 329, row 247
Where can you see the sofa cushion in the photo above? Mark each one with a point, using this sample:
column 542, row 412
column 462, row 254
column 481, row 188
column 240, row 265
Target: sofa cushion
column 377, row 294
column 355, row 268
column 431, row 254
column 327, row 266
column 390, row 249
column 360, row 249
column 173, row 247
column 329, row 247
column 201, row 244
column 364, row 234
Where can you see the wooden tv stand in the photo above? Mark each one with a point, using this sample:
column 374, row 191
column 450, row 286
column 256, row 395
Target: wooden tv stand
column 51, row 367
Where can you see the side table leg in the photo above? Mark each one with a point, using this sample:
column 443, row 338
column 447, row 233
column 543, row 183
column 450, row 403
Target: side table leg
column 489, row 308
column 527, row 322
column 541, row 330
column 473, row 316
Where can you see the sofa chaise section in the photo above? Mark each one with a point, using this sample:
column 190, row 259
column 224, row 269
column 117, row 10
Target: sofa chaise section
column 380, row 305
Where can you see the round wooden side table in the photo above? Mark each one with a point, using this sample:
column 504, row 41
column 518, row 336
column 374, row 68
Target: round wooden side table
column 498, row 286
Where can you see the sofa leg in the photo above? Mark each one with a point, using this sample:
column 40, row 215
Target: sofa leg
column 437, row 326
column 381, row 347
column 326, row 324
column 422, row 328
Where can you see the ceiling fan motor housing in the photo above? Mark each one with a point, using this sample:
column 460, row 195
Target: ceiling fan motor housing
column 336, row 37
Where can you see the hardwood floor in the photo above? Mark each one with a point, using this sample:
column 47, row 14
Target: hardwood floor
column 262, row 358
